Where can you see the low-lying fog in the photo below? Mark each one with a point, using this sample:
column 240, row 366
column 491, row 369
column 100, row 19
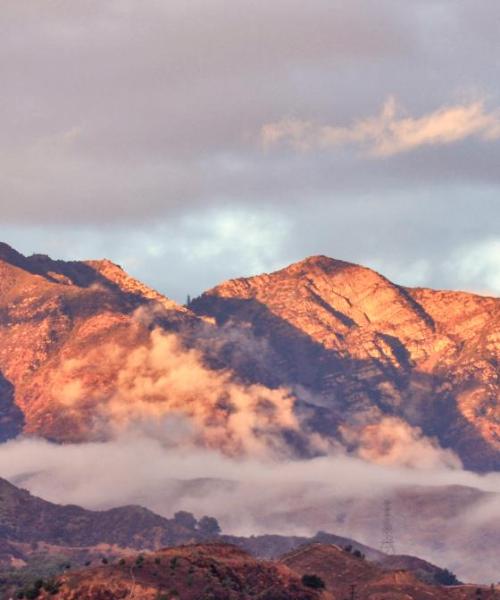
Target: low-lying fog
column 441, row 512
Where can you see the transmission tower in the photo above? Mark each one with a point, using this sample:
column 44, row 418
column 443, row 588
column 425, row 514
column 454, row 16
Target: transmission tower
column 387, row 546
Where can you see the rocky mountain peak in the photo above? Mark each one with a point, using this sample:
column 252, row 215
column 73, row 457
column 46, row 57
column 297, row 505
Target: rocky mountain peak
column 378, row 348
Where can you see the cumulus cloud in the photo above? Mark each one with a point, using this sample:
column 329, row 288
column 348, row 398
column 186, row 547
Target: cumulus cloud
column 390, row 132
column 477, row 264
column 164, row 389
column 167, row 391
column 392, row 441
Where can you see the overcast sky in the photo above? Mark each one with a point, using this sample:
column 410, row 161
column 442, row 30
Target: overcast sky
column 196, row 140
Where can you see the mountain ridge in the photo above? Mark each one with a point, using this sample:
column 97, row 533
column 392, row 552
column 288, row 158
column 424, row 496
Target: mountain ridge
column 360, row 354
column 387, row 347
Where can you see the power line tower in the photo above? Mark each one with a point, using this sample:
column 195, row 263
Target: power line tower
column 387, row 546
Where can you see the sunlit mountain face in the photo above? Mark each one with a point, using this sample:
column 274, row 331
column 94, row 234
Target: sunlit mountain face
column 292, row 363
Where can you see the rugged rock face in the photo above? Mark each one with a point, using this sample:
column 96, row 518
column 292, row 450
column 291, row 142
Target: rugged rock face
column 363, row 347
column 55, row 312
column 354, row 348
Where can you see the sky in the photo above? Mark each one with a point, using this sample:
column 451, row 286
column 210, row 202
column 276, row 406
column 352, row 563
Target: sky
column 191, row 141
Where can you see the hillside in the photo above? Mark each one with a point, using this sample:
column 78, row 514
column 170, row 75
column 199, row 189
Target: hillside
column 39, row 539
column 26, row 519
column 218, row 571
column 352, row 576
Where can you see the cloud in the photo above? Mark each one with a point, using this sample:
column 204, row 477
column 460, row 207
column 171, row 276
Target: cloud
column 388, row 133
column 338, row 493
column 392, row 441
column 165, row 389
column 129, row 132
column 158, row 385
column 477, row 263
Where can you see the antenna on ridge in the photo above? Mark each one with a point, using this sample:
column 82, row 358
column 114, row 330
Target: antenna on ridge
column 387, row 546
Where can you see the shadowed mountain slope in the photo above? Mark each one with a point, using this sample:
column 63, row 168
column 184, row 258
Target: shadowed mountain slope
column 26, row 519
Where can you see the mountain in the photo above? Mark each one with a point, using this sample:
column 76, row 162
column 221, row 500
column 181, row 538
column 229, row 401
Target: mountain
column 360, row 348
column 276, row 546
column 85, row 350
column 53, row 314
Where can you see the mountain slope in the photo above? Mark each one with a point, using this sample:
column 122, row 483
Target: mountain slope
column 365, row 348
column 55, row 312
column 88, row 353
column 223, row 572
column 26, row 519
column 211, row 571
column 351, row 576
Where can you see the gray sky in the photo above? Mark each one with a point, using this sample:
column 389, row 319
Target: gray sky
column 196, row 140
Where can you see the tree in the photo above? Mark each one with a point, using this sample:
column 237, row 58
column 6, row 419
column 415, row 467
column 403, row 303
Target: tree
column 313, row 581
column 209, row 526
column 445, row 577
column 185, row 519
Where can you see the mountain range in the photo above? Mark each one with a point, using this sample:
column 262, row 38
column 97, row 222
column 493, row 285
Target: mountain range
column 320, row 355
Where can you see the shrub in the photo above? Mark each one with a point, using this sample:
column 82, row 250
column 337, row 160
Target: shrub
column 52, row 587
column 313, row 581
column 139, row 560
